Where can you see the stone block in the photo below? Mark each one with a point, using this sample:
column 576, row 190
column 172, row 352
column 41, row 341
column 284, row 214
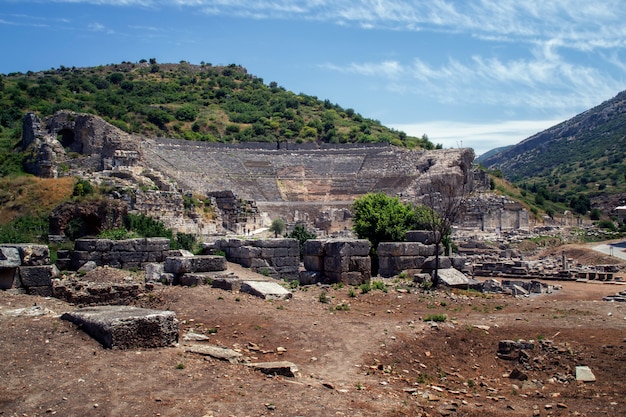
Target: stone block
column 276, row 243
column 227, row 283
column 313, row 263
column 452, row 278
column 422, row 236
column 38, row 276
column 40, row 291
column 125, row 245
column 400, row 249
column 285, row 261
column 360, row 264
column 9, row 278
column 9, row 257
column 153, row 272
column 192, row 279
column 124, row 327
column 313, row 247
column 309, row 277
column 354, row 278
column 336, row 264
column 201, row 263
column 32, row 254
column 431, row 261
column 85, row 245
column 246, row 252
column 103, row 245
column 157, row 244
column 265, row 290
column 347, row 247
column 274, row 252
column 584, row 374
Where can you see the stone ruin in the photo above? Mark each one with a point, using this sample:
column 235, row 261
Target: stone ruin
column 277, row 258
column 336, row 260
column 26, row 268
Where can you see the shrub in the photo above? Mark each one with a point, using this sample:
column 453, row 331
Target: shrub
column 436, row 318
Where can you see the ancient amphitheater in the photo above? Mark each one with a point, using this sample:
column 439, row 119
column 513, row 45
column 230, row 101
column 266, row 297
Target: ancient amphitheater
column 252, row 182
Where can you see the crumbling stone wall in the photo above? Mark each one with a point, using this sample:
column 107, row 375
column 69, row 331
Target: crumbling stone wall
column 278, row 258
column 337, row 260
column 26, row 267
column 125, row 254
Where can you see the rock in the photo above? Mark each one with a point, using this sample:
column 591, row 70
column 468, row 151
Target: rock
column 124, row 327
column 195, row 337
column 88, row 266
column 452, row 278
column 584, row 374
column 265, row 290
column 517, row 374
column 153, row 271
column 216, row 352
column 492, row 285
column 283, row 368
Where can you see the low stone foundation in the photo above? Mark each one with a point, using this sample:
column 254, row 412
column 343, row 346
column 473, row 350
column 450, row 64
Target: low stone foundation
column 278, row 258
column 124, row 254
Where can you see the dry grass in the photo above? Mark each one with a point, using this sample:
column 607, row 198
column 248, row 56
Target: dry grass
column 27, row 195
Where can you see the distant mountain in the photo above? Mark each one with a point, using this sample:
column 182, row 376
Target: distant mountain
column 584, row 154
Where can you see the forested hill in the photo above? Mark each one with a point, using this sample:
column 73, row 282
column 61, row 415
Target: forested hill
column 193, row 102
column 584, row 154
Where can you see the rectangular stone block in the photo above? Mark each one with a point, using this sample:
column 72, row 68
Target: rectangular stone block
column 275, row 243
column 336, row 264
column 314, row 263
column 40, row 291
column 347, row 247
column 33, row 254
column 201, row 263
column 125, row 245
column 38, row 276
column 157, row 244
column 360, row 264
column 85, row 245
column 125, row 327
column 422, row 236
column 9, row 257
column 313, row 247
column 285, row 261
column 9, row 278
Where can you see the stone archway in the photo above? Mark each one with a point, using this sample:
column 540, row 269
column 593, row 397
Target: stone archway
column 68, row 141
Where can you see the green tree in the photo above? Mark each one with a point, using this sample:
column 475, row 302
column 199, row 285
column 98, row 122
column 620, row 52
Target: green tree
column 301, row 234
column 381, row 218
column 277, row 227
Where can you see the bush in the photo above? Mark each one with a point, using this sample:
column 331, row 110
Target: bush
column 436, row 317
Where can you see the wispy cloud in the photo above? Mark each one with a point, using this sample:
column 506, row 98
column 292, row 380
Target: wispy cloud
column 480, row 136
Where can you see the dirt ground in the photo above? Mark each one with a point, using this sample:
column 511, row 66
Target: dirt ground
column 360, row 354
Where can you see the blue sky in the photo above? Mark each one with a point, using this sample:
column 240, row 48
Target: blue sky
column 478, row 74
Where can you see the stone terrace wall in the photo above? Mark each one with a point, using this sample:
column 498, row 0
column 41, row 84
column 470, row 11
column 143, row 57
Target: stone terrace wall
column 26, row 268
column 278, row 258
column 125, row 254
column 337, row 260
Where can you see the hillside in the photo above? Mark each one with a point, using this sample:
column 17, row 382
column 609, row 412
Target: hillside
column 184, row 101
column 585, row 155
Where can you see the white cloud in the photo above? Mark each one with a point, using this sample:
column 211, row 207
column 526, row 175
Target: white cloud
column 480, row 136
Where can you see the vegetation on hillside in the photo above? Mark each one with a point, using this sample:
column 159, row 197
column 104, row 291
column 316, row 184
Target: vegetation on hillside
column 570, row 163
column 185, row 101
